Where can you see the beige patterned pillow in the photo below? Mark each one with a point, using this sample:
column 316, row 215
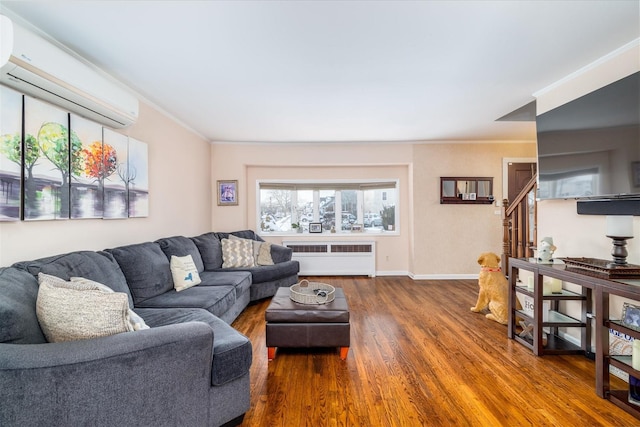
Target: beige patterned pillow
column 136, row 323
column 69, row 311
column 261, row 251
column 264, row 256
column 237, row 253
column 184, row 272
column 255, row 245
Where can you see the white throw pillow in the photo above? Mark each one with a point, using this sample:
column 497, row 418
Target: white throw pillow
column 264, row 256
column 237, row 253
column 136, row 323
column 69, row 311
column 184, row 272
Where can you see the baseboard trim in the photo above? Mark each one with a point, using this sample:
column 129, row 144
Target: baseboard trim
column 409, row 274
column 393, row 273
column 444, row 276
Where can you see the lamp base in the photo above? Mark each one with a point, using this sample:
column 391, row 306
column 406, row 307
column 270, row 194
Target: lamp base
column 619, row 251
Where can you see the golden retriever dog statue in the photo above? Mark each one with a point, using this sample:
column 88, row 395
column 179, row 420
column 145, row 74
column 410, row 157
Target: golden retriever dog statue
column 494, row 289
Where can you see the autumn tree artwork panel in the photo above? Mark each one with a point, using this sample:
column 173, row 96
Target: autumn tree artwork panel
column 48, row 145
column 94, row 162
column 10, row 153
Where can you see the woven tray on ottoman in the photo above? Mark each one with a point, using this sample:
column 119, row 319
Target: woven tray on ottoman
column 307, row 292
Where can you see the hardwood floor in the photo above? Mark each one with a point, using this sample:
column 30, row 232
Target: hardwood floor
column 419, row 357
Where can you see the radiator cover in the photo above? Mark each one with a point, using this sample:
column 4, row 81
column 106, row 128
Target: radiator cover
column 334, row 258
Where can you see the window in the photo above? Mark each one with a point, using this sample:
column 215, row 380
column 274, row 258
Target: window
column 286, row 207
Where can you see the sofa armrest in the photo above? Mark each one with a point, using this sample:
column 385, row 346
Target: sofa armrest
column 280, row 253
column 159, row 376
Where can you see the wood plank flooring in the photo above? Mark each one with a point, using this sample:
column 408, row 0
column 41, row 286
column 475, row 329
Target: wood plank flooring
column 419, row 357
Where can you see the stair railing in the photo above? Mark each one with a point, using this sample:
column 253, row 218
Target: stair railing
column 519, row 224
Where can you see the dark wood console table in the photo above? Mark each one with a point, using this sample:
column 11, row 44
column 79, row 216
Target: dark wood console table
column 595, row 295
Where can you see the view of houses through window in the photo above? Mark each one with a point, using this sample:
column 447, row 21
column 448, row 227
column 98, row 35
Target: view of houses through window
column 339, row 206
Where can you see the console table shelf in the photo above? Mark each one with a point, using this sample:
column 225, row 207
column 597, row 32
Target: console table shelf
column 553, row 318
column 555, row 345
column 596, row 291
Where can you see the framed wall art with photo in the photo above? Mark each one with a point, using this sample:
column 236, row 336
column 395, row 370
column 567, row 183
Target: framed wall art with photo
column 227, row 193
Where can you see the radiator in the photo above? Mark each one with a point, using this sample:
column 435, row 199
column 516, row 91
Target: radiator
column 334, row 258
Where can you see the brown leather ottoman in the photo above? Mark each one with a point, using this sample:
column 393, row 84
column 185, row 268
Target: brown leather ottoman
column 291, row 324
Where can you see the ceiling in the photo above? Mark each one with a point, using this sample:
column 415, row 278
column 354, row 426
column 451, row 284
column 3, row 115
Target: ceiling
column 339, row 71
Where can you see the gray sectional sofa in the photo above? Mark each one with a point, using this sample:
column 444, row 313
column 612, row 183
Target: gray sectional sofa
column 190, row 368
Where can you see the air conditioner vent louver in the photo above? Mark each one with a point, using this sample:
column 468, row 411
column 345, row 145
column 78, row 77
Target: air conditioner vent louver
column 309, row 248
column 36, row 67
column 352, row 248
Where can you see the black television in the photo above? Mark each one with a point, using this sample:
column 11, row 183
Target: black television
column 589, row 148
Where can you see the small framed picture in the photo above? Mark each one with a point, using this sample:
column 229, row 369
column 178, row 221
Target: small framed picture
column 315, row 227
column 357, row 228
column 227, row 193
column 631, row 315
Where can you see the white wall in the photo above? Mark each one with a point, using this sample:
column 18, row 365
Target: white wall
column 450, row 237
column 179, row 199
column 251, row 162
column 433, row 240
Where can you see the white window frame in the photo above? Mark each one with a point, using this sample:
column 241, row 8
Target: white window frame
column 336, row 185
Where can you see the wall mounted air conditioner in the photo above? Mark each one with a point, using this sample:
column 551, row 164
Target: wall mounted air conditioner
column 36, row 67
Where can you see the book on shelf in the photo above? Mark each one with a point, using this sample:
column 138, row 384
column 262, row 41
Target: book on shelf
column 620, row 344
column 527, row 306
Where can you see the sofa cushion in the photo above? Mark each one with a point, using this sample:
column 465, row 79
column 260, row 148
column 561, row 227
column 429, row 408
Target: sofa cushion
column 184, row 272
column 98, row 266
column 70, row 311
column 146, row 269
column 181, row 246
column 232, row 351
column 245, row 234
column 18, row 320
column 215, row 299
column 240, row 280
column 237, row 253
column 281, row 253
column 268, row 273
column 210, row 250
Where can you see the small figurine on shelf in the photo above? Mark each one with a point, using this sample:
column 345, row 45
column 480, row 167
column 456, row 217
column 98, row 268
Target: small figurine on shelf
column 546, row 250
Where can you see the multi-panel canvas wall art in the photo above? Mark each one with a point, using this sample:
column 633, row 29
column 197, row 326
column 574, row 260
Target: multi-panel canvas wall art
column 138, row 179
column 47, row 170
column 93, row 163
column 10, row 153
column 65, row 166
column 116, row 199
